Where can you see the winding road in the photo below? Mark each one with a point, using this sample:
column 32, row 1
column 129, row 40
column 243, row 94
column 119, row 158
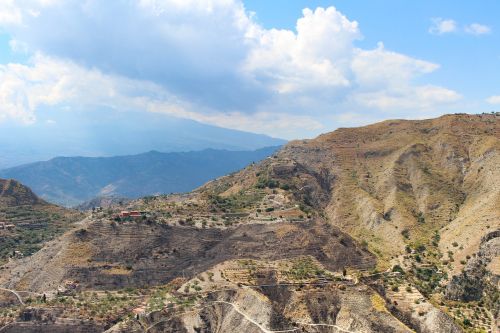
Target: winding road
column 260, row 326
column 15, row 293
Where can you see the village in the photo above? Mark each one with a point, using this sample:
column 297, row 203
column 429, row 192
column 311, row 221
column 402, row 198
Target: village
column 254, row 206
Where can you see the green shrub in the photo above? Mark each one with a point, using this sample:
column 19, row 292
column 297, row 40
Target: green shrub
column 398, row 268
column 285, row 187
column 406, row 233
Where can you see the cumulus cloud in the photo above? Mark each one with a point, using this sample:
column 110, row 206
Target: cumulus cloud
column 442, row 26
column 206, row 60
column 494, row 99
column 318, row 55
column 477, row 29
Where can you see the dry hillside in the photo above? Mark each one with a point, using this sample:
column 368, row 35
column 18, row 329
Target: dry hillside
column 392, row 227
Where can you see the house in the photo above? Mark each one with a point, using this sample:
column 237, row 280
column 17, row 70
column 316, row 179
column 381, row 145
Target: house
column 135, row 213
column 132, row 214
column 124, row 213
column 4, row 225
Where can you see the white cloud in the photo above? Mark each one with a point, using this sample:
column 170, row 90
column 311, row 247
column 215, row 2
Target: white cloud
column 442, row 26
column 10, row 13
column 24, row 88
column 18, row 46
column 272, row 123
column 380, row 68
column 207, row 60
column 477, row 29
column 318, row 55
column 494, row 99
column 48, row 81
column 407, row 98
column 14, row 12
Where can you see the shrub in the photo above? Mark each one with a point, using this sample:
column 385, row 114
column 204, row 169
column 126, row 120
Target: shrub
column 420, row 248
column 406, row 233
column 265, row 182
column 285, row 187
column 421, row 217
column 398, row 268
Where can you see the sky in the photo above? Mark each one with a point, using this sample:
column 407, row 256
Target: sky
column 285, row 68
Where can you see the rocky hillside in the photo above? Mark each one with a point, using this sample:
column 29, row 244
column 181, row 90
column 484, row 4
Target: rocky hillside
column 392, row 227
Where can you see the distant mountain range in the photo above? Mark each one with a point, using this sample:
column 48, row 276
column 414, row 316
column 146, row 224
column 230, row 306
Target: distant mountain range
column 108, row 134
column 70, row 181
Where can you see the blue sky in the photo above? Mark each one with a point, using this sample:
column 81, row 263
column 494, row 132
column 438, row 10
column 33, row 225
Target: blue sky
column 268, row 67
column 468, row 63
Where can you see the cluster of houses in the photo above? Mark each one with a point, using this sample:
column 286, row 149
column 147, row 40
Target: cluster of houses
column 5, row 226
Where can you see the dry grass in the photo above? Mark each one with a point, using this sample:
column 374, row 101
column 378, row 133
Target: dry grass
column 378, row 303
column 117, row 270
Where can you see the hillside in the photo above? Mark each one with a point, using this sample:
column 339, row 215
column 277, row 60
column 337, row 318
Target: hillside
column 392, row 227
column 71, row 181
column 27, row 222
column 13, row 193
column 103, row 202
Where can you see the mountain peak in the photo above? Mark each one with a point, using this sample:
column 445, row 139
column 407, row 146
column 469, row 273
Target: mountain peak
column 13, row 193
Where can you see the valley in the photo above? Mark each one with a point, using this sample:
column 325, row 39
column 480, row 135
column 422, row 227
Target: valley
column 392, row 227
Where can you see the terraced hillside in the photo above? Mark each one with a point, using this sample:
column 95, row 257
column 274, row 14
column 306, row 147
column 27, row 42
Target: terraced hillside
column 27, row 221
column 392, row 227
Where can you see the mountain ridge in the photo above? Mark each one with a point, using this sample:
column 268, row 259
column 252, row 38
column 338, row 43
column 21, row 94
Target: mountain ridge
column 73, row 180
column 98, row 134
